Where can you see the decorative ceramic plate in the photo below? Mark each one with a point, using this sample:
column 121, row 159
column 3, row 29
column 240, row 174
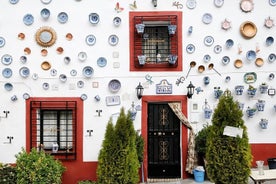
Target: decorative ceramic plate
column 229, row 43
column 90, row 40
column 83, row 96
column 101, row 62
column 80, row 84
column 238, row 63
column 45, row 65
column 45, row 13
column 114, row 85
column 217, row 49
column 45, row 36
column 259, row 62
column 190, row 48
column 218, row 3
column 251, row 55
column 24, row 72
column 6, row 59
column 117, row 21
column 207, row 18
column 206, row 58
column 201, row 68
column 53, row 72
column 45, row 85
column 28, row 19
column 269, row 23
column 225, row 60
column 82, row 56
column 2, row 42
column 208, row 40
column 271, row 58
column 73, row 72
column 46, row 1
column 62, row 77
column 14, row 1
column 26, row 96
column 248, row 29
column 23, row 59
column 7, row 72
column 113, row 40
column 226, row 24
column 250, row 77
column 67, row 59
column 191, row 4
column 272, row 2
column 88, row 71
column 94, row 18
column 269, row 41
column 247, row 5
column 8, row 86
column 62, row 17
column 35, row 76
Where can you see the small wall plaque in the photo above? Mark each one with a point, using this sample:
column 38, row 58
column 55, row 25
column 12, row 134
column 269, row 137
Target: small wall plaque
column 112, row 100
column 164, row 87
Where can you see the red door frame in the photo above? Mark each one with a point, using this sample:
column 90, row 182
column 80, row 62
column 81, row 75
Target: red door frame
column 184, row 131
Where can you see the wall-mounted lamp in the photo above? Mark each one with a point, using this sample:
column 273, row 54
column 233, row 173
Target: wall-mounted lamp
column 10, row 138
column 154, row 2
column 6, row 114
column 190, row 90
column 139, row 91
column 133, row 112
column 99, row 111
column 89, row 132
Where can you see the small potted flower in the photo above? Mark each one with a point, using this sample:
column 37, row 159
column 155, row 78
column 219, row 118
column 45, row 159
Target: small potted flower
column 251, row 91
column 263, row 88
column 250, row 112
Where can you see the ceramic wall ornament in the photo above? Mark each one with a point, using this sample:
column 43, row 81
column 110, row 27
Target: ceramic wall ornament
column 142, row 59
column 251, row 91
column 217, row 92
column 269, row 23
column 207, row 110
column 260, row 105
column 263, row 123
column 263, row 88
column 218, row 3
column 226, row 24
column 117, row 8
column 133, row 6
column 239, row 89
column 45, row 36
column 164, row 87
column 241, row 105
column 248, row 29
column 250, row 112
column 246, row 5
column 177, row 4
column 250, row 77
column 191, row 4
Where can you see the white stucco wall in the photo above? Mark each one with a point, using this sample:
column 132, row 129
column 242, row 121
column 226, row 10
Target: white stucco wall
column 11, row 23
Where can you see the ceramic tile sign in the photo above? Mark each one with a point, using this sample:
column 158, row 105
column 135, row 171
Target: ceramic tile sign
column 164, row 87
column 233, row 131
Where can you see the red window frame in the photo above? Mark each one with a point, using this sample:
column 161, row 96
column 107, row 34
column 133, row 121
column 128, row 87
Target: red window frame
column 154, row 16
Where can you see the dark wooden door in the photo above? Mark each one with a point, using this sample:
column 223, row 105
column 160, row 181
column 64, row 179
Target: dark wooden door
column 163, row 142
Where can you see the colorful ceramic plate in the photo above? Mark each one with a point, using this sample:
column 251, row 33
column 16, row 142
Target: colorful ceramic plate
column 113, row 40
column 259, row 62
column 114, row 85
column 62, row 17
column 246, row 5
column 45, row 65
column 8, row 86
column 190, row 48
column 28, row 19
column 101, row 62
column 250, row 77
column 6, row 59
column 82, row 56
column 24, row 72
column 7, row 72
column 2, row 41
column 45, row 13
column 90, row 40
column 248, row 29
column 88, row 71
column 208, row 40
column 94, row 18
column 271, row 58
column 238, row 63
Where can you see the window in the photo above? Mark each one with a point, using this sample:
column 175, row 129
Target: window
column 54, row 123
column 155, row 41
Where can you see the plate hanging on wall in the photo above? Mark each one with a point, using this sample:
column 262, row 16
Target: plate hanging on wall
column 191, row 4
column 62, row 17
column 90, row 40
column 114, row 85
column 2, row 42
column 113, row 40
column 272, row 2
column 94, row 18
column 190, row 48
column 28, row 19
column 6, row 59
column 208, row 40
column 7, row 72
column 218, row 3
column 14, row 1
column 207, row 18
column 101, row 62
column 46, row 1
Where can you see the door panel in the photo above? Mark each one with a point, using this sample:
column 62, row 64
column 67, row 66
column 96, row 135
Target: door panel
column 163, row 142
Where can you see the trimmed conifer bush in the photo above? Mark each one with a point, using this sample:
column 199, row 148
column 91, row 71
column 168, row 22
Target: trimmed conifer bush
column 228, row 157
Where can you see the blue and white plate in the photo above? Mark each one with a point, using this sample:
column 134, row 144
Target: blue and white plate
column 117, row 21
column 46, row 1
column 2, row 41
column 82, row 56
column 45, row 85
column 225, row 60
column 207, row 18
column 217, row 49
column 251, row 55
column 113, row 40
column 14, row 1
column 6, row 59
column 24, row 72
column 229, row 43
column 63, row 78
column 88, row 71
column 28, row 19
column 83, row 96
column 272, row 2
column 62, row 17
column 191, row 4
column 190, row 48
column 101, row 62
column 271, row 58
column 7, row 72
column 45, row 13
column 8, row 86
column 90, row 40
column 208, row 40
column 53, row 72
column 23, row 59
column 80, row 84
column 26, row 96
column 114, row 85
column 94, row 18
column 73, row 72
column 206, row 58
column 218, row 3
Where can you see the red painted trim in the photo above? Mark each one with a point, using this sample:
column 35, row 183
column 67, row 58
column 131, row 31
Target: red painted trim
column 262, row 152
column 131, row 40
column 156, row 98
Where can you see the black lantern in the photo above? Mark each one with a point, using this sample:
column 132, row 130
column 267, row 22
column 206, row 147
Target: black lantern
column 139, row 91
column 190, row 90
